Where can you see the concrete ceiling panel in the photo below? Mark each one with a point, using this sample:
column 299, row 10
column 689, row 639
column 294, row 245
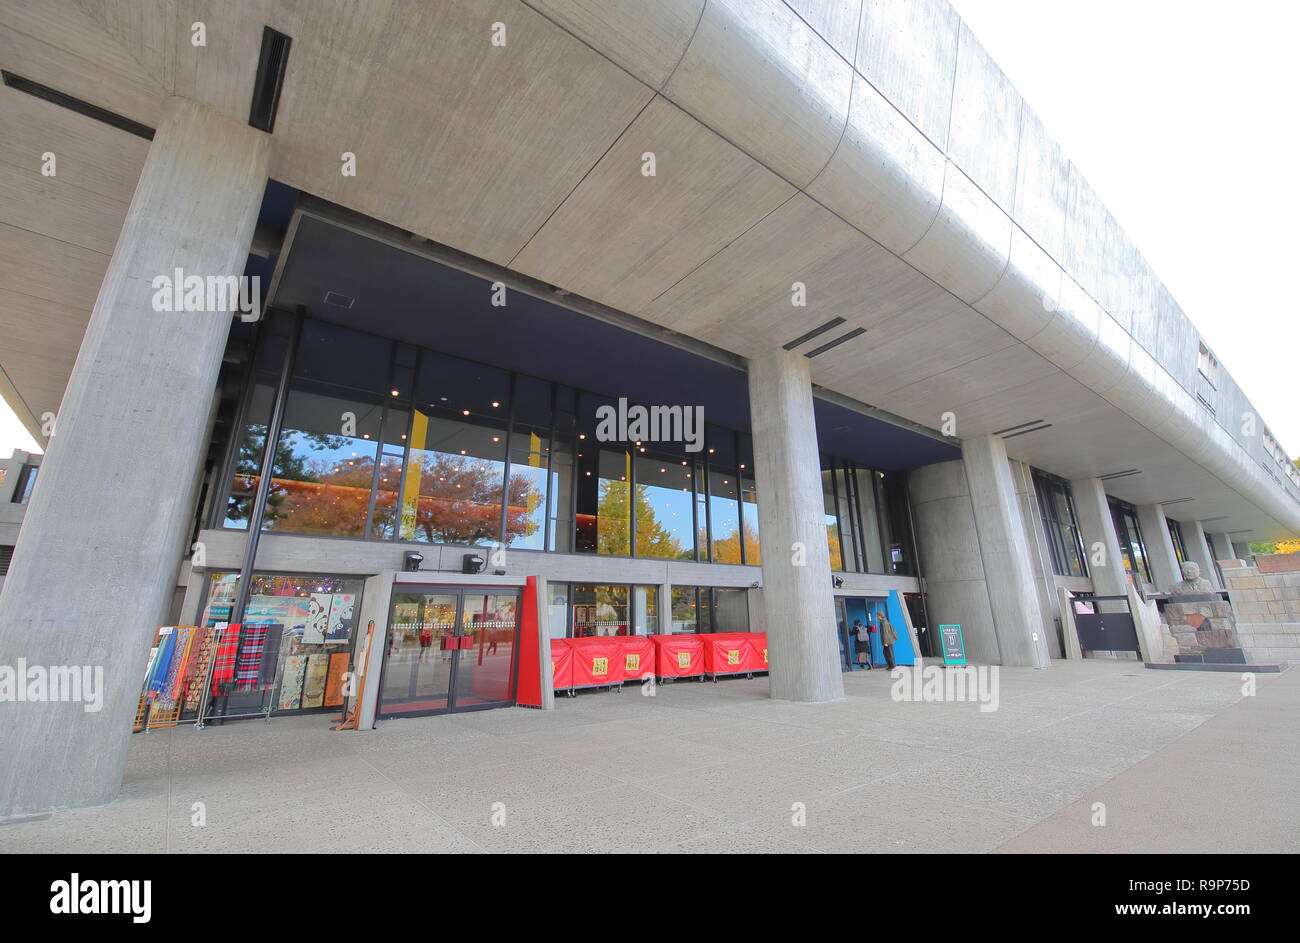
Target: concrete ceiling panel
column 1025, row 298
column 651, row 231
column 885, row 178
column 966, row 248
column 647, row 39
column 437, row 144
column 763, row 79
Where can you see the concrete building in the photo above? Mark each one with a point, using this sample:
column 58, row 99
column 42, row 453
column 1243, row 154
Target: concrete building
column 929, row 361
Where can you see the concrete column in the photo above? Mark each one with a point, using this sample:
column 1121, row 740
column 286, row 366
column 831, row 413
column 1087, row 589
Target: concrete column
column 94, row 569
column 1221, row 546
column 798, row 610
column 1098, row 527
column 1040, row 558
column 665, row 609
column 1005, row 553
column 1198, row 551
column 1160, row 546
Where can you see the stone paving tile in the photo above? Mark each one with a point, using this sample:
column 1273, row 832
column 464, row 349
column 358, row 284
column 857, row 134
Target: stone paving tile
column 696, row 768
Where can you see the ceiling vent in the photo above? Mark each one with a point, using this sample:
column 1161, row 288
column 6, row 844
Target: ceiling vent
column 815, row 332
column 271, row 64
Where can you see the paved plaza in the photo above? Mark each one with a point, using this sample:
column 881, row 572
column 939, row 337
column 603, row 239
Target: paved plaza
column 1181, row 761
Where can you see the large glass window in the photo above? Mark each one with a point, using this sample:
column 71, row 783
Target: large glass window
column 704, row 609
column 455, row 466
column 384, row 440
column 664, row 515
column 295, row 644
column 1176, row 538
column 831, row 517
column 1060, row 525
column 1132, row 549
column 259, row 398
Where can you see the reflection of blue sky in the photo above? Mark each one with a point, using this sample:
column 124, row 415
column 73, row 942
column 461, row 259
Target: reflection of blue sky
column 353, row 449
column 672, row 509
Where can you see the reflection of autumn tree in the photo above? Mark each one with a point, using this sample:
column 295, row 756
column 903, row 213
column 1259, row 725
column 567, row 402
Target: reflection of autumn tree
column 727, row 550
column 460, row 500
column 291, row 463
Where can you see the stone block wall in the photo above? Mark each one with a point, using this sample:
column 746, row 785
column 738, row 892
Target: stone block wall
column 1266, row 601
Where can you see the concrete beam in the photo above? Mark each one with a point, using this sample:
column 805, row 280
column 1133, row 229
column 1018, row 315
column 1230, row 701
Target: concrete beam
column 109, row 517
column 798, row 610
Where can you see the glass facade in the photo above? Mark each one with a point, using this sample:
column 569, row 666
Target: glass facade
column 605, row 610
column 1060, row 525
column 1131, row 547
column 303, row 631
column 701, row 609
column 1176, row 538
column 868, row 519
column 382, row 440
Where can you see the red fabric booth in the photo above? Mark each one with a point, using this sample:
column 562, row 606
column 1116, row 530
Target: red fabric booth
column 561, row 664
column 597, row 661
column 678, row 656
column 638, row 656
column 729, row 653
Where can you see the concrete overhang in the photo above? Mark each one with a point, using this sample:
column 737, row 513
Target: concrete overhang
column 871, row 151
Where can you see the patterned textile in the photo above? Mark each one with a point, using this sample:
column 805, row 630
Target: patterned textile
column 313, row 688
column 197, row 671
column 223, row 665
column 295, row 669
column 248, row 666
column 171, row 688
column 271, row 653
column 162, row 663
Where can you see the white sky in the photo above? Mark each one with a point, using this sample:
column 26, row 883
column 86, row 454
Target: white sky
column 1182, row 115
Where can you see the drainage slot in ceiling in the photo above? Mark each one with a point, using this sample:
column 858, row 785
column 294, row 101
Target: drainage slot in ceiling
column 64, row 100
column 836, row 343
column 1046, row 425
column 272, row 62
column 804, row 338
column 1023, row 425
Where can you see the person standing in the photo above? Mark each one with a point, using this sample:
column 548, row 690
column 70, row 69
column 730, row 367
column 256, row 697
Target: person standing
column 862, row 643
column 887, row 639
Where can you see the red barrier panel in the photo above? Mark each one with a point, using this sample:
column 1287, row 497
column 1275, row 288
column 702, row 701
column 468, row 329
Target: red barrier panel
column 597, row 661
column 728, row 653
column 758, row 650
column 638, row 656
column 678, row 656
column 561, row 664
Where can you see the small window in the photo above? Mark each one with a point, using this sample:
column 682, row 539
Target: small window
column 26, row 481
column 1208, row 365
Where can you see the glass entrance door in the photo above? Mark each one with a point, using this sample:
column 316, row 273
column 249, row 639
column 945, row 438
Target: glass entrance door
column 449, row 649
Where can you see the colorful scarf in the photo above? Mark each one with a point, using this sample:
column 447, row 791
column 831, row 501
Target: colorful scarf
column 248, row 667
column 161, row 664
column 171, row 687
column 198, row 669
column 223, row 666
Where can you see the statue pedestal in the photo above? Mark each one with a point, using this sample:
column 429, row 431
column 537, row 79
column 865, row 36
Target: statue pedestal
column 1203, row 628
